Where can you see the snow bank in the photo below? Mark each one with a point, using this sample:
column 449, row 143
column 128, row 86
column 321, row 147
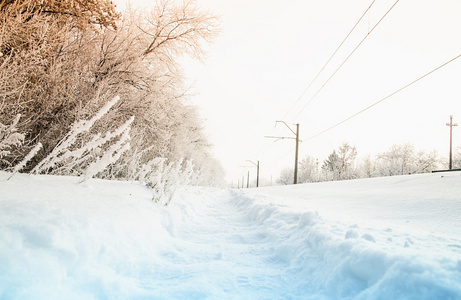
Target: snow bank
column 108, row 240
column 386, row 238
column 61, row 240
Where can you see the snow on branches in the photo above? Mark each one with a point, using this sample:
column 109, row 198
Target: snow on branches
column 67, row 158
column 62, row 62
column 10, row 137
column 26, row 159
column 113, row 153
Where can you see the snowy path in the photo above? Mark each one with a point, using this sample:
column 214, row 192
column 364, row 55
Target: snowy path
column 221, row 247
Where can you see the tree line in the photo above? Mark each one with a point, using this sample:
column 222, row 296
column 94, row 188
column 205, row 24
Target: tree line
column 62, row 61
column 343, row 164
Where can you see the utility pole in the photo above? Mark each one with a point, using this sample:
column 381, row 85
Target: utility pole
column 297, row 146
column 450, row 166
column 257, row 172
column 296, row 154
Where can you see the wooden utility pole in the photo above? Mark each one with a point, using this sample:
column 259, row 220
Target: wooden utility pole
column 296, row 154
column 295, row 181
column 257, row 172
column 450, row 165
column 257, row 175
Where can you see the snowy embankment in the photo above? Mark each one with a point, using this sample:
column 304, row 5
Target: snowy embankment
column 382, row 238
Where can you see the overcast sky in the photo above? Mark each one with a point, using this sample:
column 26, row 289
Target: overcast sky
column 270, row 51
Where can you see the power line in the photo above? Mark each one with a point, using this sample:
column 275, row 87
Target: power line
column 328, row 61
column 261, row 152
column 388, row 96
column 347, row 58
column 282, row 156
column 297, row 146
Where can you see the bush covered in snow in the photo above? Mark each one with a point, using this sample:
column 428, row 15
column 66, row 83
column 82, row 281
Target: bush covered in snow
column 87, row 154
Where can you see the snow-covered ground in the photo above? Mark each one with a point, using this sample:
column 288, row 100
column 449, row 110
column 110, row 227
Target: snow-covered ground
column 382, row 238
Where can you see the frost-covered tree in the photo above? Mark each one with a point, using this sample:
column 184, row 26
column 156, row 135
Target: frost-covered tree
column 286, row 177
column 403, row 159
column 80, row 12
column 330, row 166
column 308, row 170
column 457, row 158
column 396, row 161
column 75, row 55
column 42, row 75
column 10, row 139
column 426, row 162
column 340, row 164
column 365, row 167
column 347, row 155
column 140, row 61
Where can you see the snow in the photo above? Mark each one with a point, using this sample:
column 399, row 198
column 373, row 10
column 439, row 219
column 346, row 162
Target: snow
column 381, row 238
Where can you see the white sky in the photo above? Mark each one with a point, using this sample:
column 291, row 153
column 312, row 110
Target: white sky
column 270, row 51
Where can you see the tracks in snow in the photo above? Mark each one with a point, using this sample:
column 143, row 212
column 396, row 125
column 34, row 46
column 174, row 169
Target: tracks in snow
column 230, row 250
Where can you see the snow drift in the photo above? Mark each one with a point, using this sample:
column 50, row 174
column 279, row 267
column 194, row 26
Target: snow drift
column 382, row 238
